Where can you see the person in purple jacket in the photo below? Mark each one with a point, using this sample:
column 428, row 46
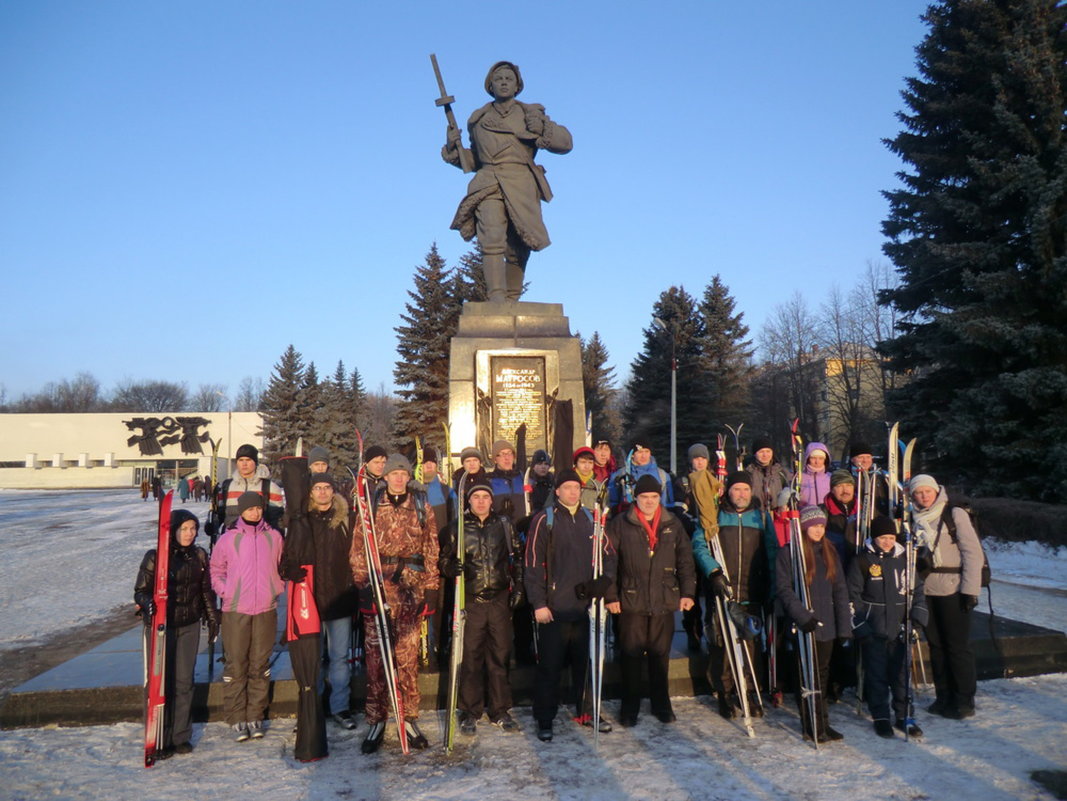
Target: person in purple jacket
column 244, row 575
column 815, row 480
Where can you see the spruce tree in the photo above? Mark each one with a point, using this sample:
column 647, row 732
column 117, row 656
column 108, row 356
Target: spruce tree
column 978, row 233
column 598, row 382
column 726, row 355
column 647, row 412
column 356, row 403
column 283, row 419
column 423, row 345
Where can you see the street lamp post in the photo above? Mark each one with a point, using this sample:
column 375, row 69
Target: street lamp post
column 671, row 332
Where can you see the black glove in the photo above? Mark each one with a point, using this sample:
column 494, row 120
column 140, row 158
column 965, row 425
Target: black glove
column 451, row 568
column 968, row 602
column 846, row 642
column 366, row 600
column 720, row 587
column 212, row 629
column 148, row 610
column 296, row 573
column 595, row 588
column 210, row 528
column 809, row 625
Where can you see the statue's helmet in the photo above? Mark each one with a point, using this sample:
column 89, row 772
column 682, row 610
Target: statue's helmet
column 513, row 67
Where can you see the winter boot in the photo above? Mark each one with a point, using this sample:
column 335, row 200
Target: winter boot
column 909, row 727
column 416, row 739
column 883, row 729
column 375, row 735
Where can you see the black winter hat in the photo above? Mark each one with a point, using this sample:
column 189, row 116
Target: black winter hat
column 481, row 484
column 373, row 452
column 759, row 443
column 569, row 474
column 881, row 526
column 248, row 451
column 541, row 457
column 859, row 448
column 738, row 477
column 647, row 483
column 179, row 516
column 323, row 478
column 429, row 455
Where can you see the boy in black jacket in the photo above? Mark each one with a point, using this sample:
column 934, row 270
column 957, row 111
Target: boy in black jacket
column 878, row 589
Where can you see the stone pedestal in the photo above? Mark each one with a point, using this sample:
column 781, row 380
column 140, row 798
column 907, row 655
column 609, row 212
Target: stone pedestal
column 515, row 368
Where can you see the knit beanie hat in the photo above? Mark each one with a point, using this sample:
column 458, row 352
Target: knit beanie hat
column 922, row 480
column 248, row 500
column 812, row 516
column 396, row 461
column 882, row 526
column 467, row 453
column 541, row 457
column 583, row 452
column 481, row 485
column 373, row 452
column 700, row 449
column 841, row 477
column 738, row 477
column 759, row 443
column 502, row 445
column 323, row 478
column 858, row 449
column 569, row 474
column 429, row 455
column 248, row 452
column 319, row 454
column 647, row 483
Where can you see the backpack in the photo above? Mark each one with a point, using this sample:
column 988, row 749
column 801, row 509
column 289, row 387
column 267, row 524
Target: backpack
column 950, row 524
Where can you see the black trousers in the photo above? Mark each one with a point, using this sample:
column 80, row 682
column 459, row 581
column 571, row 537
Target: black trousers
column 884, row 676
column 561, row 642
column 645, row 639
column 486, row 646
column 948, row 635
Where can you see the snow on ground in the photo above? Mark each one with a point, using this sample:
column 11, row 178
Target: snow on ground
column 71, row 557
column 1021, row 727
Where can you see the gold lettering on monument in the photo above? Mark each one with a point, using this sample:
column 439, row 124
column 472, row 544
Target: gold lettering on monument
column 519, row 398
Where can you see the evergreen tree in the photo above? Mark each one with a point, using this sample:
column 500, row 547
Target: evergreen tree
column 333, row 426
column 598, row 383
column 423, row 349
column 283, row 419
column 469, row 280
column 726, row 355
column 356, row 404
column 978, row 233
column 648, row 409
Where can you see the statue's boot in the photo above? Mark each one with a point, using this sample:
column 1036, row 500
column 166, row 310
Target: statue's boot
column 495, row 278
column 515, row 275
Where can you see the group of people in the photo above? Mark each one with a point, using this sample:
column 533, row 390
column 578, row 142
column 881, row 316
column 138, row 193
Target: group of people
column 662, row 544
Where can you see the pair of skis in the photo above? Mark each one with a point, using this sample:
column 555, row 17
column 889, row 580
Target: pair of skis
column 155, row 649
column 365, row 504
column 459, row 620
column 598, row 614
column 809, row 688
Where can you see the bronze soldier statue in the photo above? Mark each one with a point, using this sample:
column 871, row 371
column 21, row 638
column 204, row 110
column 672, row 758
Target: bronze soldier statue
column 503, row 203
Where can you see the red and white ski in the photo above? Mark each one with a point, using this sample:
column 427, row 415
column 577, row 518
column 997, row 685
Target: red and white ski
column 156, row 650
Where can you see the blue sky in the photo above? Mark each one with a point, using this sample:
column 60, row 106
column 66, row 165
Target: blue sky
column 189, row 187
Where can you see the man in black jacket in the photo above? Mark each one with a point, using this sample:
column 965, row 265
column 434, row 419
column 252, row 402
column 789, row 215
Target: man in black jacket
column 335, row 591
column 560, row 586
column 491, row 566
column 656, row 578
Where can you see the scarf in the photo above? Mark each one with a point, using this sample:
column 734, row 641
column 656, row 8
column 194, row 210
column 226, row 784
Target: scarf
column 650, row 527
column 926, row 524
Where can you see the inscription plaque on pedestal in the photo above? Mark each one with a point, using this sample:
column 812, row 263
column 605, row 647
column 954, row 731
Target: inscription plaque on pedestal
column 518, row 392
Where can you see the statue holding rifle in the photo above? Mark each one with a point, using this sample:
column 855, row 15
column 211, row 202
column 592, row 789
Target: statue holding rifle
column 502, row 207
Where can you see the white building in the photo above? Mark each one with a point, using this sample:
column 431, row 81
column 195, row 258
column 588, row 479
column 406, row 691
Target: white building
column 66, row 451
